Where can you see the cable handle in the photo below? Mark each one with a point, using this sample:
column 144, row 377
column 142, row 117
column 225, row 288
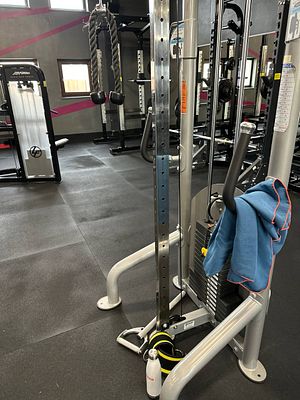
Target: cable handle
column 247, row 130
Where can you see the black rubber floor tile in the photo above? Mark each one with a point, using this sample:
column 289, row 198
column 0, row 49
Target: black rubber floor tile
column 18, row 197
column 101, row 151
column 78, row 181
column 112, row 239
column 142, row 178
column 73, row 150
column 138, row 290
column 33, row 231
column 110, row 201
column 79, row 163
column 83, row 364
column 127, row 162
column 48, row 293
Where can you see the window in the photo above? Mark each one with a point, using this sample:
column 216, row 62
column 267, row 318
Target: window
column 269, row 68
column 5, row 61
column 206, row 72
column 14, row 3
column 250, row 72
column 249, row 75
column 74, row 77
column 73, row 5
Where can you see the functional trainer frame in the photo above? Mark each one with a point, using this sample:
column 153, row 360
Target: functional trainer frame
column 252, row 310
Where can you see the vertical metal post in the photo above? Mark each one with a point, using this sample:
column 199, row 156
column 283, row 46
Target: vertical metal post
column 102, row 106
column 160, row 89
column 188, row 83
column 242, row 69
column 142, row 106
column 230, row 53
column 272, row 101
column 199, row 85
column 285, row 132
column 214, row 89
column 262, row 71
column 288, row 110
column 121, row 109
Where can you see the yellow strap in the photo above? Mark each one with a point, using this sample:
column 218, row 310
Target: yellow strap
column 160, row 342
column 165, row 371
column 204, row 251
column 168, row 357
column 159, row 333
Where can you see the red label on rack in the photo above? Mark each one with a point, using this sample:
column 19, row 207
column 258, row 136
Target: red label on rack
column 183, row 97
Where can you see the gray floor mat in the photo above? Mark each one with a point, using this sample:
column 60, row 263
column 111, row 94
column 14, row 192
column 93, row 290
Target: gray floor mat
column 83, row 364
column 37, row 230
column 48, row 293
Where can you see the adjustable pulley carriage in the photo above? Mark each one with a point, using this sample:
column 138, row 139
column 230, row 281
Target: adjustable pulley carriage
column 227, row 307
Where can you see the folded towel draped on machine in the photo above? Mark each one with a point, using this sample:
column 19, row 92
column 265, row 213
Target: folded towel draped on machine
column 252, row 236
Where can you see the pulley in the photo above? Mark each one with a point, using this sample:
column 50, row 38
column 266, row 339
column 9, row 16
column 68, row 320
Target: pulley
column 225, row 90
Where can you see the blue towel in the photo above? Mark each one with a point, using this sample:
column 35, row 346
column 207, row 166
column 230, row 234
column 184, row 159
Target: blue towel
column 252, row 236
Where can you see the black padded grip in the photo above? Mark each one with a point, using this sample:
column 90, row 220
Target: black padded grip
column 247, row 129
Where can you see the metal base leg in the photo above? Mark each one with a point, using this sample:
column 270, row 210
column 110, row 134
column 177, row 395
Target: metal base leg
column 103, row 140
column 208, row 348
column 257, row 375
column 113, row 300
column 119, row 150
column 105, row 305
column 176, row 282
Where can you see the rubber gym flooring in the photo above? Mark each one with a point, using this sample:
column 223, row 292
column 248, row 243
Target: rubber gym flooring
column 58, row 243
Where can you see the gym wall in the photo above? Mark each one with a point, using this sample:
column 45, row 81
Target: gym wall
column 48, row 35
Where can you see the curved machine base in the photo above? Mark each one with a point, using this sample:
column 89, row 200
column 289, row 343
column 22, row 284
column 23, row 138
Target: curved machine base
column 257, row 375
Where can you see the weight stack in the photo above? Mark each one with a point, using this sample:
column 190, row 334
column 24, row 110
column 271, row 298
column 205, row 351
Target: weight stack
column 219, row 295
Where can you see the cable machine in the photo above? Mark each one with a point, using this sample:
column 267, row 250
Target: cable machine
column 227, row 307
column 102, row 20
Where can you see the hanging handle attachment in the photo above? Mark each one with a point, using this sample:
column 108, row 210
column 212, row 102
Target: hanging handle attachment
column 247, row 130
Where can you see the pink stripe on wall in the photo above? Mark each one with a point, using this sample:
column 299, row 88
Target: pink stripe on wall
column 25, row 12
column 253, row 53
column 73, row 107
column 28, row 42
column 86, row 104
